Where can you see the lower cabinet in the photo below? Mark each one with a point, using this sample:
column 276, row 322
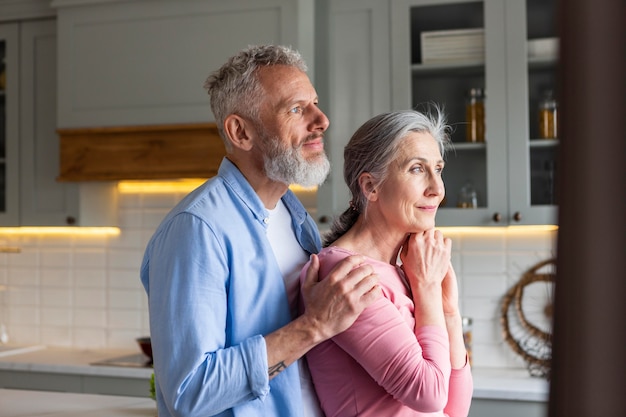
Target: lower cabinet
column 482, row 407
column 87, row 384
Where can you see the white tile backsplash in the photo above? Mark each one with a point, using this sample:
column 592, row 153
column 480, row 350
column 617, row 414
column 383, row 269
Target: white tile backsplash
column 90, row 298
column 54, row 317
column 89, row 337
column 90, row 278
column 56, row 297
column 55, row 277
column 94, row 318
column 85, row 291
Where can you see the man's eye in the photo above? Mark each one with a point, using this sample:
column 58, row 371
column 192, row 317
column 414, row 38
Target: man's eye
column 296, row 110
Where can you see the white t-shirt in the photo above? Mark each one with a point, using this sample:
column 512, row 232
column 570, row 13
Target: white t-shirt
column 291, row 258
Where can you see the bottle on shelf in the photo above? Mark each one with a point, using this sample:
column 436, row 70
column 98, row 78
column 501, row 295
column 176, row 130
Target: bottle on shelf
column 475, row 115
column 468, row 197
column 548, row 116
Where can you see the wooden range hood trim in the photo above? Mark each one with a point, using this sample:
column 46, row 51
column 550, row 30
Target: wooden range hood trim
column 140, row 152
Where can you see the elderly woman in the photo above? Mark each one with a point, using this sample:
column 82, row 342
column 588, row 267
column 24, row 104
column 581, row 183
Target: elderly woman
column 404, row 356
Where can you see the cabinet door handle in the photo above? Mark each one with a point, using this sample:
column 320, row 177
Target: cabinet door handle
column 497, row 217
column 324, row 219
column 517, row 216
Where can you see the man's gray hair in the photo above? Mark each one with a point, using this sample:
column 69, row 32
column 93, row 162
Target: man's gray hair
column 235, row 87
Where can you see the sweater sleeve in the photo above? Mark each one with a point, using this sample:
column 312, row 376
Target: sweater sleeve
column 461, row 390
column 413, row 367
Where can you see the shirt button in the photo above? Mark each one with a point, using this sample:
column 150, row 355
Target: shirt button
column 266, row 220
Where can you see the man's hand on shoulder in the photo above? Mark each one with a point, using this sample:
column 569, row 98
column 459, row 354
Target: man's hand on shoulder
column 333, row 304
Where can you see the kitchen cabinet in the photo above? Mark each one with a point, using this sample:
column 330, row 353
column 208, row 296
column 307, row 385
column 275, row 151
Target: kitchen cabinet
column 353, row 86
column 495, row 408
column 512, row 171
column 9, row 95
column 70, row 370
column 144, row 63
column 31, row 196
column 43, row 200
column 20, row 403
column 88, row 384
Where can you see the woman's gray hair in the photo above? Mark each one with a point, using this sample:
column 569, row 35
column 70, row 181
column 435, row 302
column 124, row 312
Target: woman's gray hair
column 372, row 149
column 235, row 87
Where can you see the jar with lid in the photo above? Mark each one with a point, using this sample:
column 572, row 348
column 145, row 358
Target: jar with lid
column 475, row 115
column 548, row 116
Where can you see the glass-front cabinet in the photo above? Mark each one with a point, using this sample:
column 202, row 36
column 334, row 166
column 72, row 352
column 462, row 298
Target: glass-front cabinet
column 9, row 58
column 29, row 147
column 491, row 66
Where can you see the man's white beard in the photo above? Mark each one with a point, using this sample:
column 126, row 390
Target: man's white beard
column 287, row 165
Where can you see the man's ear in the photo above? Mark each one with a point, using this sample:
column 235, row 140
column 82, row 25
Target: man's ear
column 238, row 131
column 368, row 186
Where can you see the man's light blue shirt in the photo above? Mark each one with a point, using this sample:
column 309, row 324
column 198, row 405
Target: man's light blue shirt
column 214, row 289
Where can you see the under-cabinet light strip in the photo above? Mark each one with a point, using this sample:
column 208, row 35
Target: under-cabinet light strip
column 75, row 231
column 173, row 186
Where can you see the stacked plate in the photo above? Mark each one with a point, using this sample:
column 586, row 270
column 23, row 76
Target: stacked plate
column 543, row 48
column 453, row 45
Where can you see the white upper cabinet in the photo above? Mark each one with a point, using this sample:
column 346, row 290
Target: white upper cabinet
column 31, row 196
column 145, row 62
column 353, row 84
column 43, row 200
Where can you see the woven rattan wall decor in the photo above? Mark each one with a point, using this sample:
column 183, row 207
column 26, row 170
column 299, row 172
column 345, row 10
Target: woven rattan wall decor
column 526, row 317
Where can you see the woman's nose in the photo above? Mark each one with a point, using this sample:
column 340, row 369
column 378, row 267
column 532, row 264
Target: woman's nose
column 436, row 186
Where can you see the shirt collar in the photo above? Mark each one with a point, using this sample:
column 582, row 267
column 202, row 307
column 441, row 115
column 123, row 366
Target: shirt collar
column 240, row 185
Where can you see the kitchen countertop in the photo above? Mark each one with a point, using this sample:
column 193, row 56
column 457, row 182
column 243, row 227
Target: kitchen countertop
column 73, row 361
column 509, row 384
column 489, row 383
column 22, row 403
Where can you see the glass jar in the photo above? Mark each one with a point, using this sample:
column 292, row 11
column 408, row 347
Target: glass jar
column 548, row 116
column 467, row 336
column 475, row 115
column 468, row 197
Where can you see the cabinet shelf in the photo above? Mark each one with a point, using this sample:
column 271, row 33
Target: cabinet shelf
column 541, row 62
column 475, row 67
column 449, row 68
column 468, row 146
column 544, row 143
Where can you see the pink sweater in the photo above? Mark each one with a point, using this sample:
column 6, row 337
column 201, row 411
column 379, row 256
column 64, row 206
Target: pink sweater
column 382, row 365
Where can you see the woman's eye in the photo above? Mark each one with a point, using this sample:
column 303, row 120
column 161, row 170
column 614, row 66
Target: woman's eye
column 418, row 168
column 296, row 110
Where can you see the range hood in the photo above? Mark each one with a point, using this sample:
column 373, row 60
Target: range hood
column 140, row 152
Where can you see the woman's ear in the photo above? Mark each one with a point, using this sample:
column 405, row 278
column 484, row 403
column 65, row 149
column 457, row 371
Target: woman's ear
column 238, row 132
column 368, row 186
